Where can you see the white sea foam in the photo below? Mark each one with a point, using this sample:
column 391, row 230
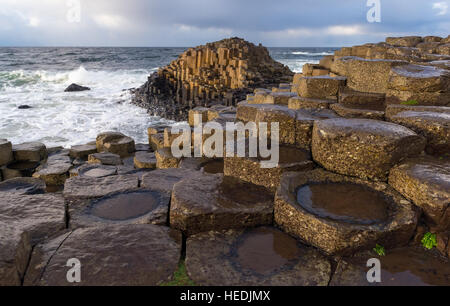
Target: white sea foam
column 311, row 53
column 60, row 118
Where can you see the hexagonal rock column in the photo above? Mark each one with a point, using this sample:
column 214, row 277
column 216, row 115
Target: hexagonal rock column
column 394, row 109
column 281, row 98
column 23, row 185
column 19, row 169
column 165, row 179
column 215, row 202
column 165, row 159
column 435, row 127
column 6, row 155
column 406, row 41
column 25, row 220
column 30, row 151
column 79, row 190
column 419, row 78
column 249, row 168
column 200, row 111
column 129, row 207
column 156, row 141
column 426, row 182
column 145, row 160
column 116, row 143
column 139, row 255
column 320, row 87
column 55, row 171
column 96, row 170
column 82, row 151
column 362, row 147
column 340, row 214
column 427, row 85
column 349, row 97
column 399, row 267
column 254, row 257
column 282, row 115
column 309, row 103
column 366, row 75
column 357, row 112
column 105, row 158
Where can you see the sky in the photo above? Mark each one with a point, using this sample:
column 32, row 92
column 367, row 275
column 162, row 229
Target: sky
column 184, row 23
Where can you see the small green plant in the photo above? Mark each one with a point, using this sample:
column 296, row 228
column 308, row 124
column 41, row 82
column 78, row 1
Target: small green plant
column 180, row 277
column 379, row 249
column 410, row 102
column 429, row 241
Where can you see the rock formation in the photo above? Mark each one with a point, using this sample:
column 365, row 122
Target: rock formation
column 221, row 72
column 361, row 167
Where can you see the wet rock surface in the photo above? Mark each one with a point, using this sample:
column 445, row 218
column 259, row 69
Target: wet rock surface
column 426, row 182
column 6, row 155
column 435, row 127
column 260, row 256
column 215, row 202
column 105, row 158
column 30, row 151
column 250, row 169
column 25, row 220
column 358, row 111
column 82, row 151
column 23, row 185
column 115, row 142
column 307, row 206
column 79, row 190
column 400, row 267
column 75, row 87
column 145, row 160
column 96, row 170
column 346, row 202
column 131, row 207
column 165, row 179
column 362, row 147
column 19, row 169
column 139, row 255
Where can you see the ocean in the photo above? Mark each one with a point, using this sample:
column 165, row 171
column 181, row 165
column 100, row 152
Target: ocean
column 37, row 77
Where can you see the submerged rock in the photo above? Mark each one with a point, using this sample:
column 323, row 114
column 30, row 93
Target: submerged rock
column 24, row 107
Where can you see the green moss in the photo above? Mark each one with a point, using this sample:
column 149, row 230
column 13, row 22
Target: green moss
column 180, row 277
column 410, row 102
column 429, row 241
column 379, row 249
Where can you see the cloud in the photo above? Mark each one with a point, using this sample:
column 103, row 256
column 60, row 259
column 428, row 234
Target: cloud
column 442, row 7
column 193, row 22
column 109, row 21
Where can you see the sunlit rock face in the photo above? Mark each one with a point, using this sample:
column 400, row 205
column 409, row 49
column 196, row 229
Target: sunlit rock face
column 219, row 72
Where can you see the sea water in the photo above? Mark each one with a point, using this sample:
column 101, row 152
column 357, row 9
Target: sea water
column 37, row 77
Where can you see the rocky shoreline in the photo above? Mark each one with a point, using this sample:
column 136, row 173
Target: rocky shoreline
column 364, row 170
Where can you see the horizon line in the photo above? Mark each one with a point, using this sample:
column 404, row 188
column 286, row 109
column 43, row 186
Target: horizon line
column 1, row 46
